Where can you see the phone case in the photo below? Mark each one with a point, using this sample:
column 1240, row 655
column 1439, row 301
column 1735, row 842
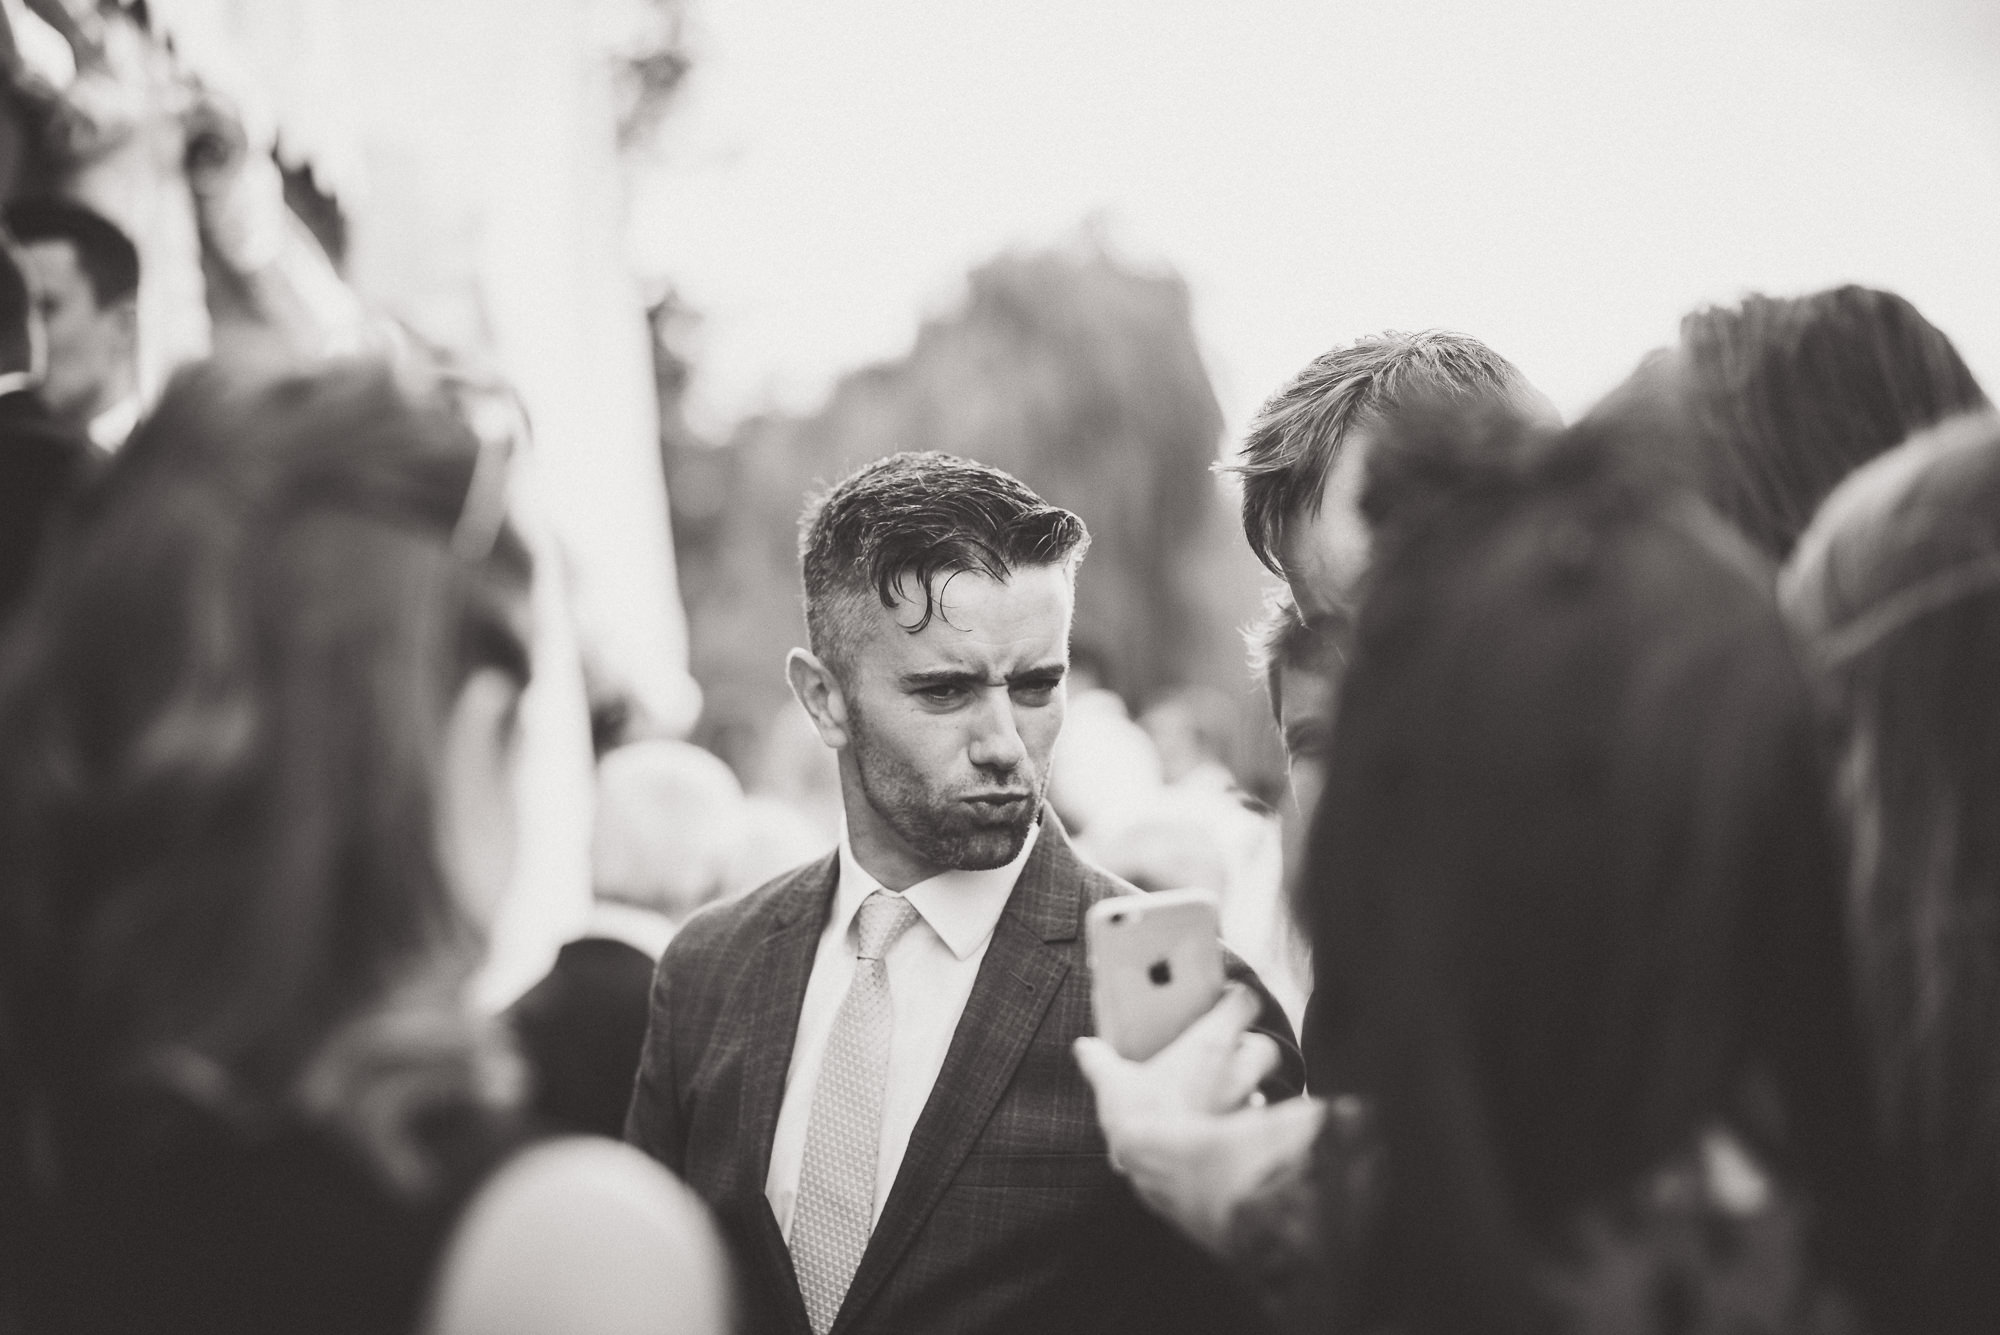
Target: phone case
column 1155, row 966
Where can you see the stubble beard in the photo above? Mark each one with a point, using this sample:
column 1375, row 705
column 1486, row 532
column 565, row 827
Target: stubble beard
column 943, row 832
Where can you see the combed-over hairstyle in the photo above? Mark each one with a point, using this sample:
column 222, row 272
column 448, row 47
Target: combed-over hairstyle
column 1298, row 434
column 917, row 516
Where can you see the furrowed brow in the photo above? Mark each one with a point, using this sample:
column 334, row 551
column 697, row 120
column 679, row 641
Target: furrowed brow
column 941, row 677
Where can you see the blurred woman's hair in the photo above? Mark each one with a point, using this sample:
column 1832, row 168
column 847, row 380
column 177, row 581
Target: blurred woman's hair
column 1896, row 588
column 220, row 724
column 1776, row 399
column 1572, row 881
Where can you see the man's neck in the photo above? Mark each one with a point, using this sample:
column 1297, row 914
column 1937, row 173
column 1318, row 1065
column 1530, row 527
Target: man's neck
column 882, row 853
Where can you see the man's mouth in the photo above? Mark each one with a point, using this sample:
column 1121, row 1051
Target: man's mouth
column 998, row 803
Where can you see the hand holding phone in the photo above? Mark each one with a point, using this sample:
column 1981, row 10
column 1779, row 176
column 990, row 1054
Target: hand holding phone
column 1155, row 967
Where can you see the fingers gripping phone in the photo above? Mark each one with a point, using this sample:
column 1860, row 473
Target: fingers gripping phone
column 1155, row 967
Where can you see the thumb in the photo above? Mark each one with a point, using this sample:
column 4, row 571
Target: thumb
column 1099, row 1063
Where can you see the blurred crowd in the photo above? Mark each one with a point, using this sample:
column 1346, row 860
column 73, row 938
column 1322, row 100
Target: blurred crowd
column 1621, row 955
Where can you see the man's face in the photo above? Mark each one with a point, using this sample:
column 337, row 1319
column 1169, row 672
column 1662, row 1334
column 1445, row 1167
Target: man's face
column 950, row 728
column 90, row 347
column 1305, row 721
column 1323, row 554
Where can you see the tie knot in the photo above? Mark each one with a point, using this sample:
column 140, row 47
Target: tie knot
column 882, row 919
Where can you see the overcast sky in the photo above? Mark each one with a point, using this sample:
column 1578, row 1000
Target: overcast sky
column 1562, row 178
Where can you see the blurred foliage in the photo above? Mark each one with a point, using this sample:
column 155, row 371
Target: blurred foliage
column 1070, row 369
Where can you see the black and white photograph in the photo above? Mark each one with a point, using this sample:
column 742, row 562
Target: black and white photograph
column 1072, row 667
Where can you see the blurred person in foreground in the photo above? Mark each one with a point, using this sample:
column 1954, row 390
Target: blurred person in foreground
column 1307, row 451
column 85, row 274
column 1896, row 588
column 257, row 738
column 1764, row 406
column 1586, row 946
column 670, row 819
column 864, row 1065
column 43, row 463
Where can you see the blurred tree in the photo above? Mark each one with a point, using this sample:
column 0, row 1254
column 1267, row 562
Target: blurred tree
column 1075, row 371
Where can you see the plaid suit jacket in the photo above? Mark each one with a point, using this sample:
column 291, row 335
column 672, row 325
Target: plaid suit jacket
column 1005, row 1214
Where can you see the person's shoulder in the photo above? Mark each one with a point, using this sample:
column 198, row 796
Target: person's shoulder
column 724, row 924
column 1098, row 884
column 581, row 1234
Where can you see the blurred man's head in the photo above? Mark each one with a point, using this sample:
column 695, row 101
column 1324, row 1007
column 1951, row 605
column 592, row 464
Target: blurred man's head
column 670, row 823
column 938, row 599
column 1302, row 462
column 85, row 276
column 19, row 332
column 1300, row 659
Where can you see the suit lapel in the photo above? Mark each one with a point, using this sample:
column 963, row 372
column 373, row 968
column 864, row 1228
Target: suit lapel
column 1017, row 980
column 776, row 995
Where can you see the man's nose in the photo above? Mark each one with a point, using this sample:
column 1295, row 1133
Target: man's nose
column 996, row 741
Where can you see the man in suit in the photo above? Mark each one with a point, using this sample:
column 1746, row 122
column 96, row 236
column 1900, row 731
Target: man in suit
column 42, row 462
column 86, row 278
column 865, row 1065
column 670, row 822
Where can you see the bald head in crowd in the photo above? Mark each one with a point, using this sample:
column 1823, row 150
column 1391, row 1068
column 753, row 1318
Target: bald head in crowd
column 670, row 821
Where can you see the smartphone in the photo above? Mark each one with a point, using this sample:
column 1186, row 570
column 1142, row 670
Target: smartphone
column 1155, row 966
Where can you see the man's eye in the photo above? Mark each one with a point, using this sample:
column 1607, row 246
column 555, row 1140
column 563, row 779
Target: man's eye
column 941, row 695
column 1034, row 692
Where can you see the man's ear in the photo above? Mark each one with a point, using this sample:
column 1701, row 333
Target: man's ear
column 818, row 690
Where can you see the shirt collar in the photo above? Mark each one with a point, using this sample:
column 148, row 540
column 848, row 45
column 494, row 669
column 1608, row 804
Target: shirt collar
column 962, row 907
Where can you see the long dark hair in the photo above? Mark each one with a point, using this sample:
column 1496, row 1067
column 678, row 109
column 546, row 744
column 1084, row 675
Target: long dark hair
column 1572, row 876
column 1780, row 398
column 1897, row 590
column 219, row 725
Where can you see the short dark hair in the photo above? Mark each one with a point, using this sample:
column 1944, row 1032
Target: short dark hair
column 105, row 254
column 1281, row 638
column 1297, row 435
column 1784, row 396
column 922, row 514
column 16, row 348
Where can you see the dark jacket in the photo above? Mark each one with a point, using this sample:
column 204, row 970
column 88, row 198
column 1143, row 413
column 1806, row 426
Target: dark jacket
column 42, row 465
column 580, row 1029
column 1005, row 1215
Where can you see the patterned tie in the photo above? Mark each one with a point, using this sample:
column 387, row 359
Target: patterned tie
column 830, row 1220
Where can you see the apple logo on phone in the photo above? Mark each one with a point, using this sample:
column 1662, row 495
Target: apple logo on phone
column 1161, row 973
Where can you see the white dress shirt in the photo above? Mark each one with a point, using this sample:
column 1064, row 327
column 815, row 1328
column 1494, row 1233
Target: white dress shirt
column 931, row 967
